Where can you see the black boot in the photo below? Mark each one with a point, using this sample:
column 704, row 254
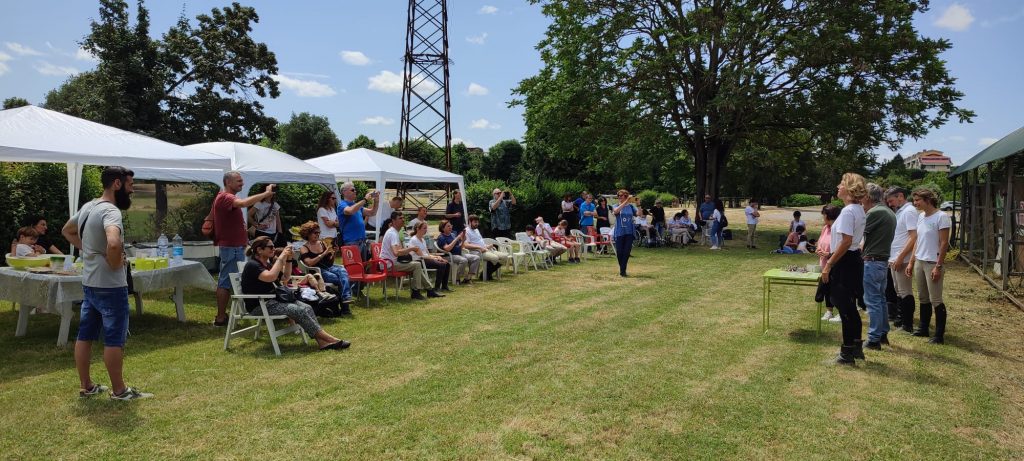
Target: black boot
column 926, row 318
column 940, row 324
column 858, row 349
column 894, row 313
column 344, row 310
column 845, row 356
column 907, row 313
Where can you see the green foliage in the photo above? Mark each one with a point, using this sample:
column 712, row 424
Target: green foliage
column 554, row 190
column 478, row 194
column 647, row 198
column 307, row 136
column 666, row 198
column 361, row 141
column 187, row 218
column 801, row 200
column 917, row 174
column 420, row 151
column 466, row 163
column 894, row 166
column 14, row 102
column 503, row 161
column 837, row 202
column 298, row 202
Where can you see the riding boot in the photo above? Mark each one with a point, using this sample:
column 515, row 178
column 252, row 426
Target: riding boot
column 846, row 355
column 894, row 313
column 858, row 349
column 926, row 318
column 907, row 313
column 940, row 324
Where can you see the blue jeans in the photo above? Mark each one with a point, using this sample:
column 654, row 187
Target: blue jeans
column 338, row 276
column 229, row 258
column 716, row 234
column 105, row 308
column 875, row 273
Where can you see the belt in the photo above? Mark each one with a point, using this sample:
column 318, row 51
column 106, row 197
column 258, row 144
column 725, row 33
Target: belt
column 875, row 258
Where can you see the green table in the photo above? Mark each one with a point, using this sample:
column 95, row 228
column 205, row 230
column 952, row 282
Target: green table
column 781, row 277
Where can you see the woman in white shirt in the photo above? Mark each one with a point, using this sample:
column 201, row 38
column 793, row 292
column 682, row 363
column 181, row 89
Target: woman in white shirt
column 265, row 217
column 439, row 264
column 926, row 266
column 569, row 211
column 844, row 270
column 327, row 217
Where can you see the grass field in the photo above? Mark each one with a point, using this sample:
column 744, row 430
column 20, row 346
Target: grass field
column 571, row 363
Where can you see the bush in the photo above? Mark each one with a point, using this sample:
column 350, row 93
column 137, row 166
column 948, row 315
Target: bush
column 838, row 203
column 667, row 199
column 187, row 219
column 800, row 200
column 647, row 198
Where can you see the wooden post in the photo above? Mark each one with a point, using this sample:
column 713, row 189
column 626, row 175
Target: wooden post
column 986, row 221
column 1008, row 207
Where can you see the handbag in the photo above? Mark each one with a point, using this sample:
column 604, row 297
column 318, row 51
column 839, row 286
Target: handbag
column 284, row 294
column 404, row 258
column 208, row 228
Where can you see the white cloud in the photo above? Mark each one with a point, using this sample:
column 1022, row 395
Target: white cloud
column 355, row 58
column 957, row 138
column 390, row 82
column 22, row 50
column 305, row 88
column 385, row 144
column 956, row 18
column 83, row 55
column 488, row 9
column 306, row 74
column 477, row 90
column 46, row 68
column 378, row 120
column 985, row 142
column 4, row 68
column 467, row 142
column 483, row 124
column 479, row 39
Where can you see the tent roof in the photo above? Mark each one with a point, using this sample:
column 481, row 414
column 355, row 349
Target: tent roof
column 257, row 164
column 34, row 134
column 368, row 165
column 1011, row 144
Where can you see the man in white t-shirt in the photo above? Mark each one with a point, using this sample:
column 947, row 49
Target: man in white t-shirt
column 902, row 250
column 475, row 243
column 752, row 214
column 391, row 248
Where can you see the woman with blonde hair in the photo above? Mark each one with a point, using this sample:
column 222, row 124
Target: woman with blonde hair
column 926, row 266
column 316, row 253
column 844, row 269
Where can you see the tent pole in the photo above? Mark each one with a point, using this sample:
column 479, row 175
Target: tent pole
column 1007, row 245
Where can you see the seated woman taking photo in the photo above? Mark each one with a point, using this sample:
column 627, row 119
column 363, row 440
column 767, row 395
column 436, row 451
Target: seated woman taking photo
column 316, row 253
column 259, row 277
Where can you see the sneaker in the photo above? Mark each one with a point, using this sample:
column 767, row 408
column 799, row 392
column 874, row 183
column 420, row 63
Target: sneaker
column 130, row 394
column 348, row 300
column 715, row 248
column 327, row 296
column 826, row 317
column 96, row 389
column 835, row 319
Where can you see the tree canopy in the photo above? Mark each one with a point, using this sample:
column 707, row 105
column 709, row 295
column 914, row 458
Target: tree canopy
column 709, row 77
column 307, row 136
column 14, row 101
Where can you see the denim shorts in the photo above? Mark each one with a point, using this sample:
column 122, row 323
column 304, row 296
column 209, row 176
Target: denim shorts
column 105, row 308
column 229, row 259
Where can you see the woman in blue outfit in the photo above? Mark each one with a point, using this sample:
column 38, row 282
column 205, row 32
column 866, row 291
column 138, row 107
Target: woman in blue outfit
column 315, row 253
column 623, row 235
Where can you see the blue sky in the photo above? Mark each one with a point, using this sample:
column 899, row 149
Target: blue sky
column 342, row 59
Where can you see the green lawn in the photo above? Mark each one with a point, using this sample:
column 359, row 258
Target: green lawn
column 571, row 363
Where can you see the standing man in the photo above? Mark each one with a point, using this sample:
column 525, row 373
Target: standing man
column 475, row 242
column 576, row 205
column 501, row 219
column 97, row 230
column 588, row 213
column 454, row 213
column 902, row 250
column 706, row 210
column 752, row 218
column 230, row 235
column 879, row 226
column 352, row 214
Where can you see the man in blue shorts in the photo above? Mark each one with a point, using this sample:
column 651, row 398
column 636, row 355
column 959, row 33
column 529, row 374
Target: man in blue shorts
column 97, row 231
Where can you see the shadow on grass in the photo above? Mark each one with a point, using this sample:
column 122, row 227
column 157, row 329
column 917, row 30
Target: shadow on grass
column 969, row 345
column 111, row 416
column 913, row 375
column 811, row 336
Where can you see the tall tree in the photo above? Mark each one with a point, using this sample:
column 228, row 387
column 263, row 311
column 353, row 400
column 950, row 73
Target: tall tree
column 714, row 73
column 363, row 141
column 503, row 161
column 14, row 101
column 307, row 136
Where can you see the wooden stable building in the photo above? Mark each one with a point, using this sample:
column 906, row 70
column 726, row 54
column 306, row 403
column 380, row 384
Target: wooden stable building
column 990, row 228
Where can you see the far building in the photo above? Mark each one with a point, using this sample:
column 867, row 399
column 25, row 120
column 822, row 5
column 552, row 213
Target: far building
column 929, row 160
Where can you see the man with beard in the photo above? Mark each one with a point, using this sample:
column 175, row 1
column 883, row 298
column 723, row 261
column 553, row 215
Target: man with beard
column 476, row 244
column 230, row 235
column 97, row 230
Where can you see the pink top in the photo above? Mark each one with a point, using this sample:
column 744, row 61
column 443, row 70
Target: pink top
column 824, row 245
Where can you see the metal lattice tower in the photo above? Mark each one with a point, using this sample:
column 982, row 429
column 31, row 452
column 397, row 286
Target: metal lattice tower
column 426, row 101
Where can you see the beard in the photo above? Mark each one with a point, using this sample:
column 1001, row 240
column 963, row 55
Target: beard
column 122, row 199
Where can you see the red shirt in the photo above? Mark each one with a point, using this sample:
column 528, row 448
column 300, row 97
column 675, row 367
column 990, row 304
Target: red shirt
column 228, row 224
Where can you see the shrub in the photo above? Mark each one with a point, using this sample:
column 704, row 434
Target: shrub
column 478, row 194
column 837, row 202
column 186, row 220
column 666, row 199
column 800, row 200
column 647, row 198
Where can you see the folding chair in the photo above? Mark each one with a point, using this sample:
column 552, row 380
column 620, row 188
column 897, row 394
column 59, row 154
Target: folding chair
column 239, row 313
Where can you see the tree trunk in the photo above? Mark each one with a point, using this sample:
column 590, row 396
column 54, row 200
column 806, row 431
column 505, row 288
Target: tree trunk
column 709, row 163
column 161, row 205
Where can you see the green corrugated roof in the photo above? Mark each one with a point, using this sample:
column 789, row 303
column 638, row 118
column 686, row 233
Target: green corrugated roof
column 1011, row 144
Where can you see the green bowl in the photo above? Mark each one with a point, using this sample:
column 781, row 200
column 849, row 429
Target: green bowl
column 25, row 262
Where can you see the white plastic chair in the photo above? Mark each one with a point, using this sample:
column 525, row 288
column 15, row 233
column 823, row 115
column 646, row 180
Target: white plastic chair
column 533, row 249
column 585, row 241
column 518, row 256
column 239, row 313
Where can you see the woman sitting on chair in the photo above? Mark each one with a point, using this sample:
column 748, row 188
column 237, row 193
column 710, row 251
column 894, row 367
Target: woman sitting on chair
column 315, row 253
column 258, row 278
column 439, row 264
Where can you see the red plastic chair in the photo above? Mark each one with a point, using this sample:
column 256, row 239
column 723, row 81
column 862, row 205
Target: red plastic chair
column 601, row 240
column 359, row 271
column 385, row 266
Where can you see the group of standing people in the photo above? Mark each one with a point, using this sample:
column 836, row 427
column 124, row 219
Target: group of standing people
column 876, row 235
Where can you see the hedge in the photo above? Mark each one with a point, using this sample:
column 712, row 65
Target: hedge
column 799, row 200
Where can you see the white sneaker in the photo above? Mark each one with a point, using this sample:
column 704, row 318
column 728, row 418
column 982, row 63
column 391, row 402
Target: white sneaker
column 130, row 394
column 826, row 317
column 835, row 319
column 715, row 248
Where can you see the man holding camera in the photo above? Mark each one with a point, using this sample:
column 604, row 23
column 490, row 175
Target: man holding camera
column 230, row 235
column 501, row 221
column 352, row 214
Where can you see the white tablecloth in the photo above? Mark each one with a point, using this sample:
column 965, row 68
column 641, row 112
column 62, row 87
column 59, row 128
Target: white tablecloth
column 55, row 293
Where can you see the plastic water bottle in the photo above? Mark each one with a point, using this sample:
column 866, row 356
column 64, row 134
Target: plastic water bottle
column 177, row 250
column 161, row 246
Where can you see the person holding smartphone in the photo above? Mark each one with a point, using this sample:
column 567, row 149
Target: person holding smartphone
column 501, row 220
column 623, row 234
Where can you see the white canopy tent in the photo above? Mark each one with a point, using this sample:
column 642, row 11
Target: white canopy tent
column 34, row 134
column 369, row 165
column 257, row 164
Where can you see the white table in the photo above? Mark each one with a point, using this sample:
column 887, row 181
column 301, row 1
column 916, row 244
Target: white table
column 56, row 293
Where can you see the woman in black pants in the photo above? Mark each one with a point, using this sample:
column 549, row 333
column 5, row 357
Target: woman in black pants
column 624, row 214
column 844, row 271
